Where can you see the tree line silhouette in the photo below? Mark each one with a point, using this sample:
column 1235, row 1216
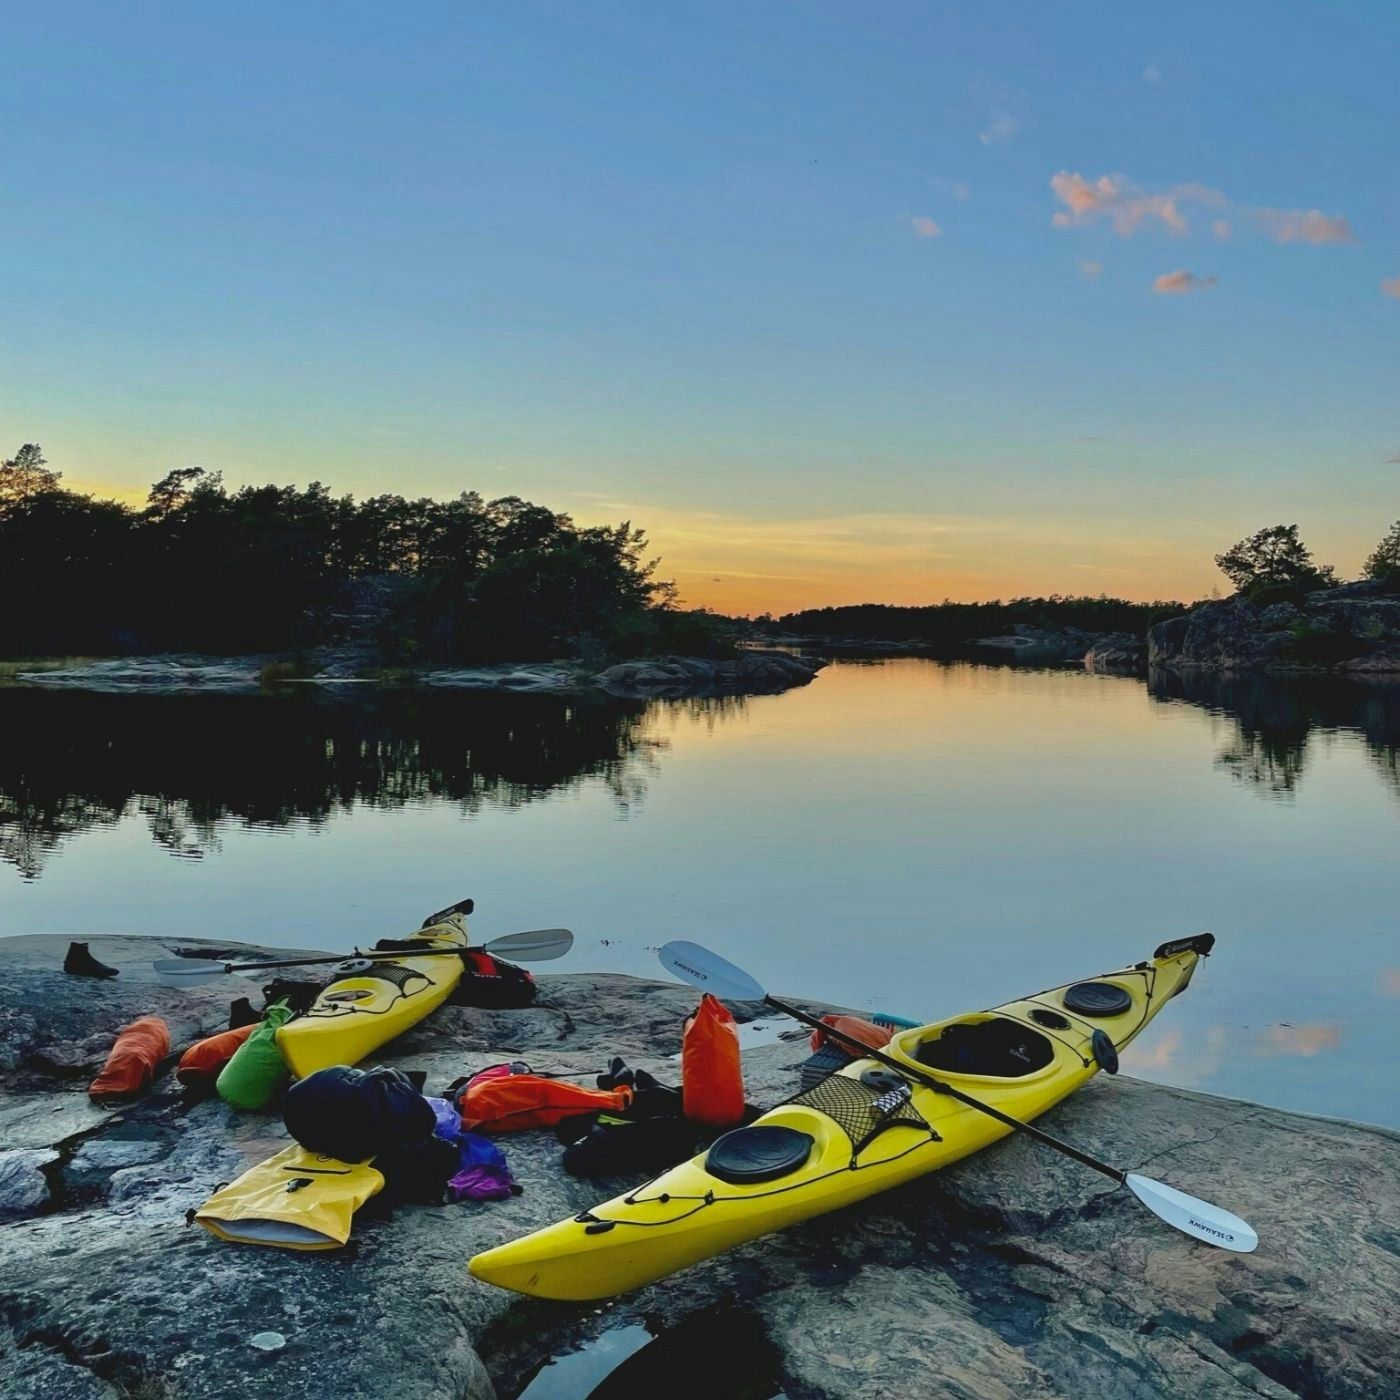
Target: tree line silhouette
column 270, row 568
column 950, row 624
column 1272, row 565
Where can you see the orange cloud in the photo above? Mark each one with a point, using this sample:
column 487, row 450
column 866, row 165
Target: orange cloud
column 1305, row 226
column 1129, row 209
column 1390, row 981
column 1090, row 268
column 1181, row 281
column 1391, row 287
column 926, row 228
column 1125, row 206
column 1306, row 1040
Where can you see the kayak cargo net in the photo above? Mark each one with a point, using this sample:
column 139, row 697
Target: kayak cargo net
column 862, row 1112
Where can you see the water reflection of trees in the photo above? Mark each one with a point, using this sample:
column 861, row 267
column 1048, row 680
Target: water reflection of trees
column 188, row 766
column 1274, row 719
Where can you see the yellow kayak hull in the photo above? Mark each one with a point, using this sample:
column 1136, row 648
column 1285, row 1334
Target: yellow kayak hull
column 688, row 1214
column 357, row 1014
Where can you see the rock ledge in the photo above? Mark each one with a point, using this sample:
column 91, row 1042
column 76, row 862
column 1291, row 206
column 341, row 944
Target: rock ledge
column 1016, row 1274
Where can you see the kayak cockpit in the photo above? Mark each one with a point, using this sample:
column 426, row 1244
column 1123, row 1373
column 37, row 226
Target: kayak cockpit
column 988, row 1046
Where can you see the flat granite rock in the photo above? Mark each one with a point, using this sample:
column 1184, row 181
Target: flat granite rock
column 1015, row 1274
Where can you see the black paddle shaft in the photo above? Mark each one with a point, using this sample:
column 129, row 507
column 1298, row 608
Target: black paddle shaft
column 350, row 957
column 939, row 1087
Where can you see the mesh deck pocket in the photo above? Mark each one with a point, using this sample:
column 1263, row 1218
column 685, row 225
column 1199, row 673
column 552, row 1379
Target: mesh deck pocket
column 396, row 973
column 854, row 1107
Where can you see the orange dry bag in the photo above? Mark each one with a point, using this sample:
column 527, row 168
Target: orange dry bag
column 712, row 1084
column 202, row 1063
column 132, row 1062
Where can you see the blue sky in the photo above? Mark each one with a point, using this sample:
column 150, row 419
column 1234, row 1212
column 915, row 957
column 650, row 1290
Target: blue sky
column 680, row 263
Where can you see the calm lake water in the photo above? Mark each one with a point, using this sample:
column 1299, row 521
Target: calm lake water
column 904, row 835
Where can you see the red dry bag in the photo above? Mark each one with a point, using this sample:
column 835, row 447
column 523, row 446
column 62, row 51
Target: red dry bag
column 712, row 1084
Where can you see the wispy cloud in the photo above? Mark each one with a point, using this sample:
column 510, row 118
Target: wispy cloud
column 1000, row 129
column 925, row 227
column 1152, row 75
column 961, row 191
column 1390, row 287
column 1006, row 110
column 1181, row 281
column 1304, row 226
column 1390, row 976
column 1123, row 204
column 1090, row 268
column 1221, row 229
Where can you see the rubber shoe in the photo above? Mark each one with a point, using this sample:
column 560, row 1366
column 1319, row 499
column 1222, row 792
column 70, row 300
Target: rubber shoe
column 81, row 963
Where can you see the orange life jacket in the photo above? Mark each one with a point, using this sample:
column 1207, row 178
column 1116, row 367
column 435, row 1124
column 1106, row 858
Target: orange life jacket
column 867, row 1032
column 509, row 1102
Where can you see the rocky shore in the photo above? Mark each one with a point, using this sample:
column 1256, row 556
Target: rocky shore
column 1015, row 1274
column 749, row 673
column 1353, row 629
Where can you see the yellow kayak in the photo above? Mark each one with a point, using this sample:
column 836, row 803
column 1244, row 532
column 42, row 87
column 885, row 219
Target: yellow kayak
column 361, row 1010
column 850, row 1136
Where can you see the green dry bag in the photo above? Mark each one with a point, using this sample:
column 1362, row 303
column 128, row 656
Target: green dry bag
column 257, row 1072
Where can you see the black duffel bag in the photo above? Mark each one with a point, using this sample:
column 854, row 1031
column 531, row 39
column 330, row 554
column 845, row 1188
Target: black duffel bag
column 353, row 1114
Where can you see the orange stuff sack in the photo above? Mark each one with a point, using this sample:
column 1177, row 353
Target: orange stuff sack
column 203, row 1062
column 712, row 1084
column 867, row 1032
column 509, row 1102
column 132, row 1062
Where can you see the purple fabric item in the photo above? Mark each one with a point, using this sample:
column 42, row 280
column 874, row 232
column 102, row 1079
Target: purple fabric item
column 478, row 1151
column 449, row 1121
column 482, row 1184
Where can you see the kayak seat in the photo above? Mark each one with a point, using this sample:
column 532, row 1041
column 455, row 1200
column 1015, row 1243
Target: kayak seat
column 750, row 1155
column 998, row 1047
column 1098, row 999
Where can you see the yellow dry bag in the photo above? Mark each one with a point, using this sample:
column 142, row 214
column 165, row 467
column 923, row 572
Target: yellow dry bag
column 296, row 1200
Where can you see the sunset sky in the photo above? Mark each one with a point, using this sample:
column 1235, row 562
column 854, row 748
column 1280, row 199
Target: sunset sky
column 842, row 302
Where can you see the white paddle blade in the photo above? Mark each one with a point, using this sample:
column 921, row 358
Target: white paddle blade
column 535, row 945
column 706, row 970
column 1193, row 1216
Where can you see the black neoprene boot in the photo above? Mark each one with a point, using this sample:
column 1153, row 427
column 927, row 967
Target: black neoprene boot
column 617, row 1075
column 81, row 963
column 242, row 1013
